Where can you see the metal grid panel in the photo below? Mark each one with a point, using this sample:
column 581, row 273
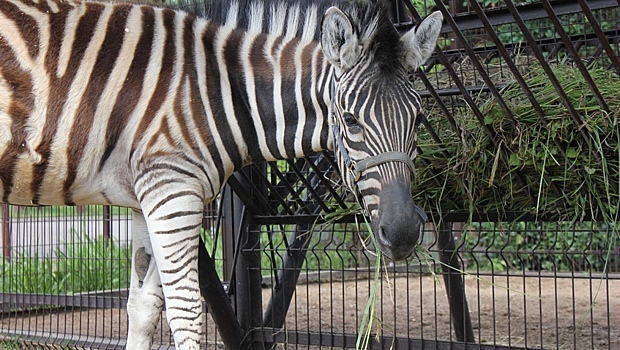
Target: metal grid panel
column 65, row 275
column 72, row 279
column 553, row 303
column 564, row 298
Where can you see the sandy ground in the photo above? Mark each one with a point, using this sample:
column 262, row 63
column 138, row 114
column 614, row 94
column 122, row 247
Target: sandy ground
column 534, row 312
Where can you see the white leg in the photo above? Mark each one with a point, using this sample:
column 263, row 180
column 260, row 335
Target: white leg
column 173, row 213
column 145, row 294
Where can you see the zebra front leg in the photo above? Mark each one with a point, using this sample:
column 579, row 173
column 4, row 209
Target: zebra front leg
column 146, row 298
column 174, row 217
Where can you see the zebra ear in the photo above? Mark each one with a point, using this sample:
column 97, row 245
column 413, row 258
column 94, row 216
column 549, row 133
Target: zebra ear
column 419, row 43
column 339, row 40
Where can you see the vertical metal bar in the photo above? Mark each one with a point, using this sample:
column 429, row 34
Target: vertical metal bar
column 217, row 301
column 400, row 12
column 455, row 288
column 283, row 290
column 282, row 294
column 229, row 208
column 107, row 222
column 248, row 280
column 6, row 232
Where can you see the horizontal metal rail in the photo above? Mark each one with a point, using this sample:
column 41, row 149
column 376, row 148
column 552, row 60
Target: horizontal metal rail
column 15, row 301
column 528, row 12
column 32, row 339
column 72, row 341
column 459, row 216
column 270, row 336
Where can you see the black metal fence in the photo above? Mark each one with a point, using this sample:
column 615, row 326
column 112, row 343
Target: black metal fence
column 522, row 251
column 528, row 285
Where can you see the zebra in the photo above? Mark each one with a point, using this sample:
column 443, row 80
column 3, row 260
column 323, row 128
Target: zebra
column 154, row 108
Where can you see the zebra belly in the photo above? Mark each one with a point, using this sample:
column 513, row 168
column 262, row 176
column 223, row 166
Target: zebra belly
column 107, row 187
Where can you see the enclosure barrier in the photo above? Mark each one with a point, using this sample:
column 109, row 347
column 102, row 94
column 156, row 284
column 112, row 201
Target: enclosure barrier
column 518, row 169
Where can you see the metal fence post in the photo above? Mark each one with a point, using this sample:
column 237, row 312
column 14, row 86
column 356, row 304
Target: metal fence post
column 246, row 279
column 288, row 275
column 6, row 232
column 107, row 222
column 455, row 286
column 231, row 206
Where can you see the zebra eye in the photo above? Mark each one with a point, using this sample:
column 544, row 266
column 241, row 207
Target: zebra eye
column 349, row 119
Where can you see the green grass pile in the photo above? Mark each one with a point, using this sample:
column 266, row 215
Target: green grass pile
column 544, row 165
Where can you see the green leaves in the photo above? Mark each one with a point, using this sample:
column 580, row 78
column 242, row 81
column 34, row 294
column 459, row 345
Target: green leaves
column 81, row 265
column 531, row 246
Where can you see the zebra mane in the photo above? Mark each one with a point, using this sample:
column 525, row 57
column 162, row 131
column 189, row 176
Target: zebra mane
column 302, row 19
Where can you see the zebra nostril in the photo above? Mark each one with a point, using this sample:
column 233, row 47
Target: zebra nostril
column 381, row 237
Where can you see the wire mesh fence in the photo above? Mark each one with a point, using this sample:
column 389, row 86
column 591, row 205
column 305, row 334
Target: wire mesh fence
column 528, row 284
column 65, row 276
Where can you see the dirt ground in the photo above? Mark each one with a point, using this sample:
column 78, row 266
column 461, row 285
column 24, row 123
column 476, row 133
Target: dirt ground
column 534, row 312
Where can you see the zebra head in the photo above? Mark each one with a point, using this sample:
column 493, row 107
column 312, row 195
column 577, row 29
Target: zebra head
column 374, row 108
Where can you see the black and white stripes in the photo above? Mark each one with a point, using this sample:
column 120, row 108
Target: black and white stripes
column 154, row 108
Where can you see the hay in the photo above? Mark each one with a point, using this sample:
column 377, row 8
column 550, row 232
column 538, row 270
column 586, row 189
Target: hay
column 534, row 165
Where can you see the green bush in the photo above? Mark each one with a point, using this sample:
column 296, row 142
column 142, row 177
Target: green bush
column 557, row 247
column 87, row 265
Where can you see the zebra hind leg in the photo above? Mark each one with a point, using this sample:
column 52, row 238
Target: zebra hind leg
column 173, row 213
column 145, row 294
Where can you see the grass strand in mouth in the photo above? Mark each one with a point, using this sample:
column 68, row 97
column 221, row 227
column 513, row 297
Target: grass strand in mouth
column 369, row 315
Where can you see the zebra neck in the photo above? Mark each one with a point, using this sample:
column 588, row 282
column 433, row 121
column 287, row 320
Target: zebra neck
column 269, row 94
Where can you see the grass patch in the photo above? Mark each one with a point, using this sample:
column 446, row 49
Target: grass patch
column 531, row 246
column 10, row 345
column 83, row 265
